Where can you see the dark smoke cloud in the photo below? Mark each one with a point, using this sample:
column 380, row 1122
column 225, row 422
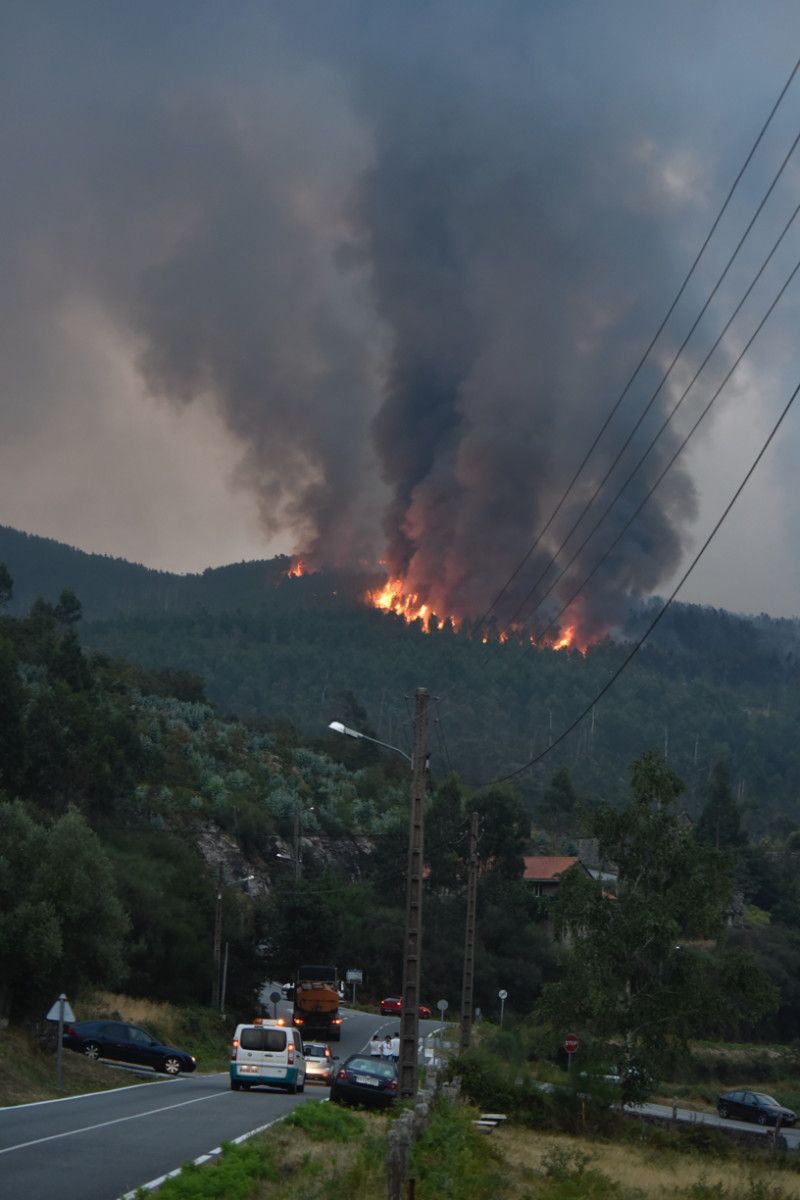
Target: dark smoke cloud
column 422, row 244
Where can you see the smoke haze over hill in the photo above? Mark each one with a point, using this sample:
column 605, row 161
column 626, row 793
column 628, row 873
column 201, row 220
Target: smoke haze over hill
column 391, row 269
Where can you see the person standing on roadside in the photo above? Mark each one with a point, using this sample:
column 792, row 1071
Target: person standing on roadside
column 395, row 1044
column 386, row 1048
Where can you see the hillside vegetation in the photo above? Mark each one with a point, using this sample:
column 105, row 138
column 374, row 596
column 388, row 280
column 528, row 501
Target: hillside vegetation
column 126, row 797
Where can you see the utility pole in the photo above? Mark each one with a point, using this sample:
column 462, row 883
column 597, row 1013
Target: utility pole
column 409, row 1024
column 217, row 944
column 468, row 983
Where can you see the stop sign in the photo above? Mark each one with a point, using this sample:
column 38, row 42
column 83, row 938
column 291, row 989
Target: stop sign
column 571, row 1043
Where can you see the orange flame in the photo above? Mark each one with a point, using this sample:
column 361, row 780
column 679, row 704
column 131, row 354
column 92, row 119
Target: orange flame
column 393, row 598
column 297, row 569
column 566, row 640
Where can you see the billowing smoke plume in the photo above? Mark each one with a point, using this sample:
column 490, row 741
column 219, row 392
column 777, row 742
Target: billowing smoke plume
column 411, row 259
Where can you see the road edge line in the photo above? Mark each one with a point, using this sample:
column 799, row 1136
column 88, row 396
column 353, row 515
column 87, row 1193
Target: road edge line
column 82, row 1095
column 202, row 1159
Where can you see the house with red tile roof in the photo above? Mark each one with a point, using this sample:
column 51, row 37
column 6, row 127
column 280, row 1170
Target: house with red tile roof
column 544, row 872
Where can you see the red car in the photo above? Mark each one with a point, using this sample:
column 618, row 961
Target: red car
column 392, row 1006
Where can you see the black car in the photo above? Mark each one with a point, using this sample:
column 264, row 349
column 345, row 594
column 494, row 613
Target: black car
column 365, row 1080
column 126, row 1043
column 754, row 1106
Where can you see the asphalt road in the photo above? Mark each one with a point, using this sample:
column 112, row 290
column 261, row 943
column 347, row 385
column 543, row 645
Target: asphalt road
column 98, row 1147
column 690, row 1116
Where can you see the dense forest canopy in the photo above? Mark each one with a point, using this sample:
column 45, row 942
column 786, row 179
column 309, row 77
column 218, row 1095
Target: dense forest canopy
column 117, row 764
column 708, row 685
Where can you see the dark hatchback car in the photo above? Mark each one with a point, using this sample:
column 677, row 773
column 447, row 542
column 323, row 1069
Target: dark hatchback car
column 126, row 1043
column 365, row 1080
column 754, row 1106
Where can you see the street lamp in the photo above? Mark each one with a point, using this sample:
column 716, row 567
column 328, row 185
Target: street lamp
column 338, row 727
column 216, row 997
column 409, row 1022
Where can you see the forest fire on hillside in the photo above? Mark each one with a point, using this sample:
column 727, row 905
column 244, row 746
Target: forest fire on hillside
column 297, row 569
column 392, row 598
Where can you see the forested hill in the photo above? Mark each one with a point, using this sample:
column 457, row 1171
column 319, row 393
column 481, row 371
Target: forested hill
column 709, row 685
column 113, row 587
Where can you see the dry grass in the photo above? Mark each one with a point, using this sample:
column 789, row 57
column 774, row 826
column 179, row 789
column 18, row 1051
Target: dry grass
column 312, row 1169
column 645, row 1172
column 164, row 1018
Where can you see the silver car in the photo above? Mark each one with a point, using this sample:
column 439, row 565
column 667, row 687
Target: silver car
column 319, row 1062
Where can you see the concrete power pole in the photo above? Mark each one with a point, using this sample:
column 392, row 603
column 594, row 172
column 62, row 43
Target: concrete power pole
column 409, row 1024
column 468, row 983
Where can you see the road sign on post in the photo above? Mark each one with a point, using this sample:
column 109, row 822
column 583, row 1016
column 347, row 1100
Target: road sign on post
column 442, row 1006
column 571, row 1044
column 276, row 998
column 61, row 1012
column 503, row 994
column 354, row 975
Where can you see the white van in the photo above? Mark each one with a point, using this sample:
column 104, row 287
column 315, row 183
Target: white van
column 268, row 1052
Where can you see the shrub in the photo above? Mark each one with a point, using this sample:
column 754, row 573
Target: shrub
column 452, row 1160
column 326, row 1122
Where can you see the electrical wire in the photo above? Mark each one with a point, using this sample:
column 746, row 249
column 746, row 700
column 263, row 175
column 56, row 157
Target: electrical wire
column 646, row 353
column 588, row 537
column 669, row 464
column 590, row 502
column 637, row 645
column 442, row 738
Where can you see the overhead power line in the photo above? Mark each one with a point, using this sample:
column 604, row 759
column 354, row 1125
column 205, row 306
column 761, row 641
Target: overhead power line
column 637, row 645
column 442, row 738
column 588, row 537
column 645, row 355
column 598, row 489
column 679, row 450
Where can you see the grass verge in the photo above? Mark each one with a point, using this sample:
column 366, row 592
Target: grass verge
column 28, row 1072
column 322, row 1152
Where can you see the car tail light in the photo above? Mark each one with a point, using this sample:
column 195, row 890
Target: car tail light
column 391, row 1085
column 290, row 1058
column 342, row 1074
column 297, row 1020
column 327, row 1051
column 70, row 1032
column 234, row 1048
column 336, row 1021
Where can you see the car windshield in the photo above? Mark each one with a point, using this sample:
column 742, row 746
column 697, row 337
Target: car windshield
column 315, row 1051
column 368, row 1066
column 763, row 1098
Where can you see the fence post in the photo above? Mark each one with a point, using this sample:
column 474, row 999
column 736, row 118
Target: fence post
column 401, row 1136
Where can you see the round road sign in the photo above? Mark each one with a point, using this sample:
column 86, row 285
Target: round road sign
column 503, row 994
column 571, row 1043
column 442, row 1006
column 275, row 997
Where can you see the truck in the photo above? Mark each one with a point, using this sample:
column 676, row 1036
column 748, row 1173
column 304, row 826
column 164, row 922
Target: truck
column 316, row 1003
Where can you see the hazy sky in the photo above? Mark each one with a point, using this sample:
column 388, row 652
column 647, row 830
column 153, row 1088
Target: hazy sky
column 363, row 279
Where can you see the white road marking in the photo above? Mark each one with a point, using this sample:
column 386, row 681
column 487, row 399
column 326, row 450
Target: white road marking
column 53, row 1137
column 202, row 1160
column 81, row 1095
